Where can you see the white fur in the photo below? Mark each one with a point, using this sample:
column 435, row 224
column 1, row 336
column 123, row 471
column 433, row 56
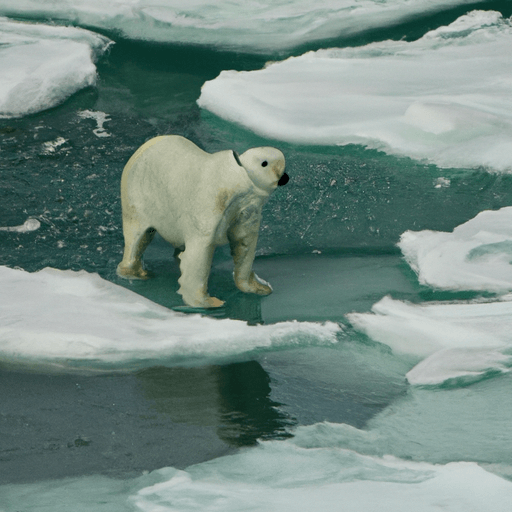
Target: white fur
column 197, row 201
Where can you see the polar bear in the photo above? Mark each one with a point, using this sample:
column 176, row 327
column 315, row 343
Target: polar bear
column 197, row 201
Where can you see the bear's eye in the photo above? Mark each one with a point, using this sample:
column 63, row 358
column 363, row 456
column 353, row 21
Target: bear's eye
column 264, row 163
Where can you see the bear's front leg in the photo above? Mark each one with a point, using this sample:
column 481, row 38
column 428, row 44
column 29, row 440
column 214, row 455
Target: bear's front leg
column 243, row 249
column 195, row 266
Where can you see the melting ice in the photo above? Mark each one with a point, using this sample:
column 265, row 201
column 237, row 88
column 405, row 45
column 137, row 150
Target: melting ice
column 444, row 98
column 46, row 64
column 250, row 26
column 283, row 476
column 465, row 340
column 76, row 319
column 28, row 226
column 477, row 255
column 279, row 476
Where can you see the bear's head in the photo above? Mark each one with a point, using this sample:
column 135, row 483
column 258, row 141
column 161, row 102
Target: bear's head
column 265, row 167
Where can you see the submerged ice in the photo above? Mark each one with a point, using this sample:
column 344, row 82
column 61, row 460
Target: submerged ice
column 444, row 98
column 285, row 477
column 277, row 476
column 43, row 65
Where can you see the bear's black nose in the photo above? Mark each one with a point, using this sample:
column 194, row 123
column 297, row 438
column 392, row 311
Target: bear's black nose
column 283, row 180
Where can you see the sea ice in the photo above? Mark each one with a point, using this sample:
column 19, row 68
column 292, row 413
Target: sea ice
column 264, row 25
column 28, row 226
column 100, row 117
column 281, row 476
column 477, row 255
column 76, row 319
column 444, row 98
column 421, row 330
column 459, row 364
column 462, row 341
column 277, row 476
column 42, row 65
column 440, row 426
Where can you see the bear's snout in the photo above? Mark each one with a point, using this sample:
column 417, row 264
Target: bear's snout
column 283, row 180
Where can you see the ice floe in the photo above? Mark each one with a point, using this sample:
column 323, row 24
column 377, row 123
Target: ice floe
column 100, row 117
column 444, row 98
column 264, row 25
column 52, row 146
column 477, row 255
column 423, row 329
column 28, row 226
column 465, row 340
column 281, row 476
column 42, row 65
column 79, row 320
column 277, row 476
column 436, row 426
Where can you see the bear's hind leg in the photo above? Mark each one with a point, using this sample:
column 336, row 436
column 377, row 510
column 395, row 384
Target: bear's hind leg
column 195, row 266
column 136, row 241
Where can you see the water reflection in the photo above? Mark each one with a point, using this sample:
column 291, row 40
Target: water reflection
column 57, row 425
column 234, row 398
